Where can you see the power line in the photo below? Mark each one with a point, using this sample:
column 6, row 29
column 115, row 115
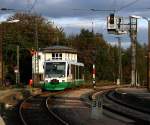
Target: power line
column 127, row 5
column 33, row 5
column 110, row 10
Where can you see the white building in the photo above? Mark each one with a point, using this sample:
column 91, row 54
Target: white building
column 50, row 53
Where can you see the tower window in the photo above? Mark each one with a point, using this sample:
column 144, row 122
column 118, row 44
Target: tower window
column 57, row 56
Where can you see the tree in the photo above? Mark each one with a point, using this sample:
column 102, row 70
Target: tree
column 31, row 32
column 93, row 49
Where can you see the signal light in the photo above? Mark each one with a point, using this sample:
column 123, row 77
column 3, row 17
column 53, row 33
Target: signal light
column 33, row 52
column 111, row 21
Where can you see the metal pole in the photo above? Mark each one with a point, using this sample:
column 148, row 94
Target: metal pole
column 18, row 73
column 1, row 56
column 133, row 36
column 148, row 55
column 94, row 80
column 119, row 45
column 33, row 67
column 133, row 63
column 37, row 46
column 16, row 79
column 120, row 62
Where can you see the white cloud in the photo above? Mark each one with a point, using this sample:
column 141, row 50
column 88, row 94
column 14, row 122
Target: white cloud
column 79, row 23
column 124, row 44
column 4, row 17
column 56, row 1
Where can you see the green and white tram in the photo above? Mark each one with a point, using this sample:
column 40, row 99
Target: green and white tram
column 59, row 75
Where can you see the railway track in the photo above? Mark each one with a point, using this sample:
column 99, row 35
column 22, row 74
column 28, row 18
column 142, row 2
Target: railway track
column 113, row 104
column 51, row 109
column 33, row 111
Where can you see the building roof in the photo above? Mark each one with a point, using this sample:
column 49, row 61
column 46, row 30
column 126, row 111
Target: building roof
column 59, row 49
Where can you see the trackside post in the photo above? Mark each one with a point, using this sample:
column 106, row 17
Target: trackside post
column 30, row 84
column 94, row 81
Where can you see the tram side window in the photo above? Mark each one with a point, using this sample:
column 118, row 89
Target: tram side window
column 80, row 72
column 77, row 72
column 73, row 71
column 68, row 70
column 53, row 55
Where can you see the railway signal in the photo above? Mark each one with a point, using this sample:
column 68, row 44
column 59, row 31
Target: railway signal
column 115, row 25
column 111, row 23
column 111, row 20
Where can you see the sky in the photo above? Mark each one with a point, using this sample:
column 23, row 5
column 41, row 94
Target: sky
column 73, row 15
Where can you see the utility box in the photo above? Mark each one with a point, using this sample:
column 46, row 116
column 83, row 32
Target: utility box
column 111, row 23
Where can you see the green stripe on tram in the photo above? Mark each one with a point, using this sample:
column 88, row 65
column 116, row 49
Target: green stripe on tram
column 56, row 86
column 61, row 85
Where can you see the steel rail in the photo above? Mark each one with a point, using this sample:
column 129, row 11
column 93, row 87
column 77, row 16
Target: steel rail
column 42, row 105
column 125, row 109
column 54, row 114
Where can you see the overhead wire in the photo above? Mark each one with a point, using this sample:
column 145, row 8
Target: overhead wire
column 114, row 3
column 112, row 10
column 33, row 5
column 127, row 5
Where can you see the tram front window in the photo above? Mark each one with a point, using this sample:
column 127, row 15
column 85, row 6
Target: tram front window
column 55, row 69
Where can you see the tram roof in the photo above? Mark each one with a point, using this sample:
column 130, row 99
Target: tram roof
column 59, row 49
column 67, row 61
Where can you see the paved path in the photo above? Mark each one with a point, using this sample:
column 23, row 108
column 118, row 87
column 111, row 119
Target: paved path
column 71, row 109
column 133, row 90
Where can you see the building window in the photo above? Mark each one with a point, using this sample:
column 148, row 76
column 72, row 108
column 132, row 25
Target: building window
column 56, row 55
